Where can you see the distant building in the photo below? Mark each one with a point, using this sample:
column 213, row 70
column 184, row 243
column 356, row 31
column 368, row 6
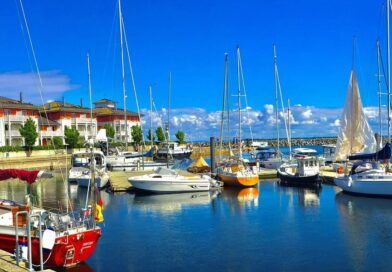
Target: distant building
column 108, row 113
column 66, row 114
column 13, row 114
column 52, row 118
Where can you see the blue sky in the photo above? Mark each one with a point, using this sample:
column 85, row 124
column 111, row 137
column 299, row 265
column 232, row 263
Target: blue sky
column 189, row 38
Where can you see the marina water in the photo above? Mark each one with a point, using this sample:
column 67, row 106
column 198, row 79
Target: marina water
column 269, row 228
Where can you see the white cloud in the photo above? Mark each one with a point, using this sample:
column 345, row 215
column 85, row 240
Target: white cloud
column 307, row 114
column 306, row 121
column 54, row 85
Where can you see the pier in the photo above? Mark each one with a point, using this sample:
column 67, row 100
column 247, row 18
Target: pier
column 8, row 263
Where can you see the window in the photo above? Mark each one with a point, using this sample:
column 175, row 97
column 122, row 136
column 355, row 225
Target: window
column 73, row 115
column 6, row 128
column 7, row 112
column 23, row 113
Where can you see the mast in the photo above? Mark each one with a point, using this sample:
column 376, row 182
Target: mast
column 123, row 73
column 289, row 129
column 388, row 74
column 168, row 120
column 276, row 100
column 151, row 134
column 239, row 101
column 91, row 143
column 379, row 90
column 225, row 83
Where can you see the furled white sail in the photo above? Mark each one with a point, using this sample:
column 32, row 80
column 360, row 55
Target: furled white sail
column 355, row 134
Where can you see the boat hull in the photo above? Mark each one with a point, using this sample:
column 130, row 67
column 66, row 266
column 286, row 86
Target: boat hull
column 175, row 156
column 377, row 188
column 68, row 250
column 101, row 182
column 239, row 181
column 294, row 180
column 162, row 186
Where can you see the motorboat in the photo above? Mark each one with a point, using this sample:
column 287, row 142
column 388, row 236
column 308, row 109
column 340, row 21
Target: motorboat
column 269, row 159
column 65, row 239
column 300, row 172
column 173, row 151
column 80, row 171
column 165, row 180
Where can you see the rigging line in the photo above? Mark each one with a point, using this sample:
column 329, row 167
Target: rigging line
column 282, row 105
column 40, row 89
column 112, row 37
column 132, row 78
column 223, row 107
column 246, row 99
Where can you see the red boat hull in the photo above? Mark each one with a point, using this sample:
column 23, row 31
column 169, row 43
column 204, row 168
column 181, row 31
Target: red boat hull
column 68, row 250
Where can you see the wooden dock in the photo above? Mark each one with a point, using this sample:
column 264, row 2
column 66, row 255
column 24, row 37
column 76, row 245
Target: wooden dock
column 327, row 174
column 8, row 263
column 119, row 179
column 265, row 173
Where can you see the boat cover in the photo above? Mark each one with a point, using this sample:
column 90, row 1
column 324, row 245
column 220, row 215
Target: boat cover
column 383, row 154
column 25, row 175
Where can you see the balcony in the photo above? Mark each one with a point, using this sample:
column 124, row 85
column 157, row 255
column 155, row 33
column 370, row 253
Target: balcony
column 49, row 133
column 83, row 120
column 15, row 118
column 12, row 133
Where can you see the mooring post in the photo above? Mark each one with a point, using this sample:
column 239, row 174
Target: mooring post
column 212, row 154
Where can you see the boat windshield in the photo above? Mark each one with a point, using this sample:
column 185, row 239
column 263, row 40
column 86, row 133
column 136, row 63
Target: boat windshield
column 83, row 160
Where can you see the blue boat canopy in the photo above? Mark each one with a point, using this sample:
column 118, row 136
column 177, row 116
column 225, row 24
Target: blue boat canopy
column 383, row 154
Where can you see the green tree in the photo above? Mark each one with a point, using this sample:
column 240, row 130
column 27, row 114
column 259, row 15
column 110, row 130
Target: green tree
column 29, row 132
column 57, row 142
column 160, row 134
column 109, row 131
column 180, row 135
column 71, row 136
column 137, row 134
column 150, row 135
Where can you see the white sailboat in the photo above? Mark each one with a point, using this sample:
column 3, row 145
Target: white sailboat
column 367, row 176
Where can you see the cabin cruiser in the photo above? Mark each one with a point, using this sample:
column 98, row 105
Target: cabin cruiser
column 81, row 167
column 174, row 151
column 269, row 158
column 302, row 171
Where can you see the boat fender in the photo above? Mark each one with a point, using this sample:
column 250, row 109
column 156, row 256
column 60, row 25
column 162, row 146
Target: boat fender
column 350, row 181
column 48, row 239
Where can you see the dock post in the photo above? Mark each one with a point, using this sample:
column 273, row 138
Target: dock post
column 212, row 154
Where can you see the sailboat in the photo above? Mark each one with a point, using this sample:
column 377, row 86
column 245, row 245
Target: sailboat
column 235, row 171
column 45, row 237
column 269, row 158
column 63, row 239
column 367, row 176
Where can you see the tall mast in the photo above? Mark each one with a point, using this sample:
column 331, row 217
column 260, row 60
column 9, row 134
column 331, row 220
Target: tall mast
column 223, row 105
column 288, row 121
column 168, row 119
column 388, row 74
column 89, row 92
column 123, row 73
column 379, row 90
column 239, row 101
column 151, row 134
column 276, row 99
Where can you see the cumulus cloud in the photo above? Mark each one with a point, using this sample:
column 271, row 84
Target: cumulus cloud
column 54, row 85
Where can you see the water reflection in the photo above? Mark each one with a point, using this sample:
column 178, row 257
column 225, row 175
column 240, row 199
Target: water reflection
column 172, row 203
column 366, row 223
column 238, row 198
column 306, row 197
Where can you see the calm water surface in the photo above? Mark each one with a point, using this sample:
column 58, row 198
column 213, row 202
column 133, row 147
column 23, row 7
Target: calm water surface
column 269, row 228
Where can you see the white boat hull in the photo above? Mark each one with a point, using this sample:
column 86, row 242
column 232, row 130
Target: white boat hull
column 366, row 186
column 170, row 186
